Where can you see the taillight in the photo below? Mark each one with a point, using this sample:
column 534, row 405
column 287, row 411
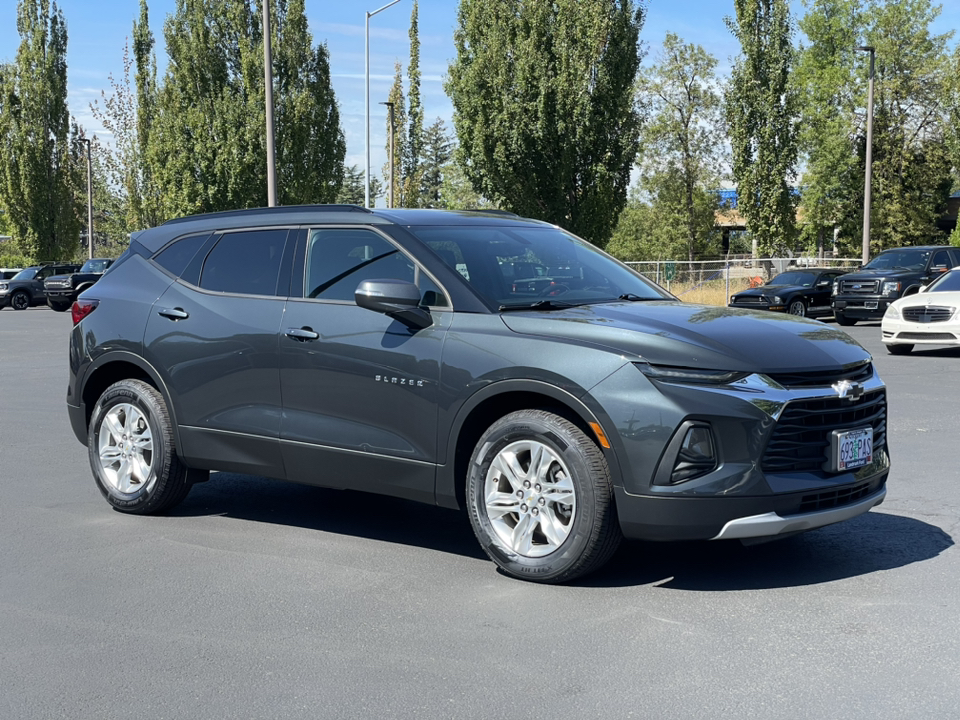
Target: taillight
column 82, row 308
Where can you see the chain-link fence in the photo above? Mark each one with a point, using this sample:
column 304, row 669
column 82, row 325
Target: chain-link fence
column 712, row 282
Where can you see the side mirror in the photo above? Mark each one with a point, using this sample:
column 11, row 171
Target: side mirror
column 395, row 298
column 923, row 288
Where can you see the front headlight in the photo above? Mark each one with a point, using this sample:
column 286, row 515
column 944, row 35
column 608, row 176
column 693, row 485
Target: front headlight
column 4, row 286
column 670, row 373
column 836, row 288
column 891, row 288
column 777, row 300
column 892, row 313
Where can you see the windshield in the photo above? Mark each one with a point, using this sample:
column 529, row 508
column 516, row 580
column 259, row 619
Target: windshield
column 907, row 259
column 948, row 282
column 519, row 266
column 804, row 279
column 97, row 265
column 27, row 274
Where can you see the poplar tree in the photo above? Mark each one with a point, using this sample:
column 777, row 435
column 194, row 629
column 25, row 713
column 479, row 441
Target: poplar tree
column 414, row 146
column 544, row 107
column 39, row 175
column 761, row 113
column 395, row 176
column 207, row 147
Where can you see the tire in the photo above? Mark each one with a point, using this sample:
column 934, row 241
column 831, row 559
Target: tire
column 902, row 349
column 557, row 541
column 58, row 306
column 155, row 480
column 20, row 300
column 843, row 320
column 797, row 307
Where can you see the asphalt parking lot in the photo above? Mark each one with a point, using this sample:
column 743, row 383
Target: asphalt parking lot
column 261, row 599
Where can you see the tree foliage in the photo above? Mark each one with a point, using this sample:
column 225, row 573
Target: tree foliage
column 544, row 107
column 394, row 175
column 436, row 157
column 206, row 142
column 40, row 184
column 683, row 139
column 761, row 114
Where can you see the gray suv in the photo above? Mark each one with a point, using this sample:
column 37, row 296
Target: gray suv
column 401, row 352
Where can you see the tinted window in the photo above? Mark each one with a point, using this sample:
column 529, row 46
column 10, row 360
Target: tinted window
column 940, row 259
column 97, row 265
column 904, row 259
column 520, row 265
column 338, row 260
column 803, row 279
column 26, row 274
column 175, row 257
column 245, row 262
column 948, row 282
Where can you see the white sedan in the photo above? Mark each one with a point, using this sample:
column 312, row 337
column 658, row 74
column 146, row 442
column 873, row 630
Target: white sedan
column 930, row 317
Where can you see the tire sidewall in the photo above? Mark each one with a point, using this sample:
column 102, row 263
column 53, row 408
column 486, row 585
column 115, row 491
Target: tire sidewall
column 506, row 431
column 803, row 308
column 19, row 294
column 128, row 392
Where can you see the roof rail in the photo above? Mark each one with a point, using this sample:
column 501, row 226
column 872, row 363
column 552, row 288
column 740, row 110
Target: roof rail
column 283, row 209
column 490, row 211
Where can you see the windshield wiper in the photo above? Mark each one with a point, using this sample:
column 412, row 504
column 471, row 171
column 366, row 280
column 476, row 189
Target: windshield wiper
column 539, row 305
column 630, row 297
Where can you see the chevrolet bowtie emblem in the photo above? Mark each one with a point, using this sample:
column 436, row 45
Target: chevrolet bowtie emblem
column 849, row 390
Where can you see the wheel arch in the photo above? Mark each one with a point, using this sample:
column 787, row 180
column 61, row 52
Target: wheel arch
column 490, row 404
column 116, row 366
column 912, row 290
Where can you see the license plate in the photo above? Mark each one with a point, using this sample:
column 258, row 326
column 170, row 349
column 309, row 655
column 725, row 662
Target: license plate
column 850, row 449
column 870, row 305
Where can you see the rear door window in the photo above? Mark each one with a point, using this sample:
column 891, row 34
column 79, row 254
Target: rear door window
column 245, row 262
column 175, row 257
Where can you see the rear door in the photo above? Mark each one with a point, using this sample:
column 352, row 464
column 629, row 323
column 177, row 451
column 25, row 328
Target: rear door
column 360, row 390
column 215, row 344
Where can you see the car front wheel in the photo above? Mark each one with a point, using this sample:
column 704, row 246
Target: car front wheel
column 797, row 308
column 20, row 300
column 540, row 498
column 131, row 448
column 843, row 320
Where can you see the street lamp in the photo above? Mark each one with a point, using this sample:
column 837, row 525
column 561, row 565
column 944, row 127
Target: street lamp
column 89, row 200
column 392, row 131
column 268, row 99
column 367, row 73
column 868, row 171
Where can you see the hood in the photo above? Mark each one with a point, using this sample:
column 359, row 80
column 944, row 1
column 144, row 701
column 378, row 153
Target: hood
column 870, row 274
column 940, row 299
column 57, row 280
column 704, row 336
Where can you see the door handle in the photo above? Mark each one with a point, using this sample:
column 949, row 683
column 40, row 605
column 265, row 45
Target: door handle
column 173, row 313
column 302, row 334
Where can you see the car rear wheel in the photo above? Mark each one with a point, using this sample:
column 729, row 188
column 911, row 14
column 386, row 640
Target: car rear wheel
column 540, row 498
column 843, row 320
column 131, row 448
column 797, row 308
column 899, row 349
column 20, row 300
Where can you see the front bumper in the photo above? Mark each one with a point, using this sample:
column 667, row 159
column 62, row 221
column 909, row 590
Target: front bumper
column 4, row 300
column 902, row 332
column 59, row 294
column 856, row 309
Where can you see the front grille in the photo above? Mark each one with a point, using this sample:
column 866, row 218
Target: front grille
column 865, row 287
column 928, row 314
column 751, row 301
column 926, row 336
column 824, row 378
column 835, row 498
column 800, row 442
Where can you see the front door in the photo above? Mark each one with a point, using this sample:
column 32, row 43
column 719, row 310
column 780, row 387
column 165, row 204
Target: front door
column 360, row 389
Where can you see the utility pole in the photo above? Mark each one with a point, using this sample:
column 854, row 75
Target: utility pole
column 393, row 131
column 868, row 172
column 268, row 96
column 366, row 167
column 89, row 200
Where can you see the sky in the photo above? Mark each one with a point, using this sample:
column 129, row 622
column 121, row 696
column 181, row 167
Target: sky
column 98, row 33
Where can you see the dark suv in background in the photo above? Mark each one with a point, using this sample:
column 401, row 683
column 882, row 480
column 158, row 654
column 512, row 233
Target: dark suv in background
column 866, row 293
column 26, row 287
column 62, row 290
column 396, row 352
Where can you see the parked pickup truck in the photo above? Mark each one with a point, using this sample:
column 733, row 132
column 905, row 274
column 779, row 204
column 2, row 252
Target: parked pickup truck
column 865, row 293
column 62, row 290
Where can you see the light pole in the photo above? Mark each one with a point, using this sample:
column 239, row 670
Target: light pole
column 366, row 172
column 268, row 99
column 868, row 171
column 89, row 200
column 392, row 131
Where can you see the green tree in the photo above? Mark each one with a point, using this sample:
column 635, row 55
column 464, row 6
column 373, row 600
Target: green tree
column 206, row 142
column 39, row 174
column 544, row 107
column 683, row 139
column 761, row 114
column 353, row 191
column 396, row 174
column 435, row 158
column 412, row 175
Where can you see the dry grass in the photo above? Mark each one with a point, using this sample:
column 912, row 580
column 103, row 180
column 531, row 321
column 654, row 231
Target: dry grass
column 713, row 292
